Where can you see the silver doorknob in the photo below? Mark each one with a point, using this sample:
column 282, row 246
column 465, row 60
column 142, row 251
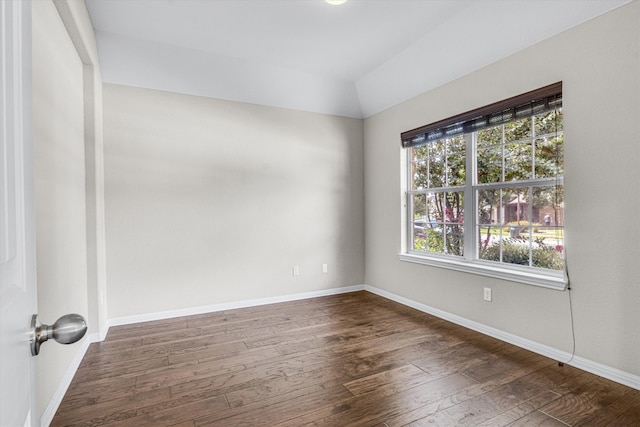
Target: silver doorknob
column 66, row 330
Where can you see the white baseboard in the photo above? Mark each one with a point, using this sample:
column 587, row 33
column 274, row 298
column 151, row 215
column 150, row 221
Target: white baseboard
column 54, row 403
column 127, row 320
column 100, row 336
column 596, row 368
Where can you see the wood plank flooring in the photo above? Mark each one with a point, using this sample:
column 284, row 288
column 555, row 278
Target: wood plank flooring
column 354, row 359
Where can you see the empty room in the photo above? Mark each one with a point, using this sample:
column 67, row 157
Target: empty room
column 369, row 213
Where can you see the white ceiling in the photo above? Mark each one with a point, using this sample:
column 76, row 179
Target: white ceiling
column 353, row 60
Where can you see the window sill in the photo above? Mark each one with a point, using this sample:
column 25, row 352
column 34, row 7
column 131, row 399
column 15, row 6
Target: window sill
column 551, row 280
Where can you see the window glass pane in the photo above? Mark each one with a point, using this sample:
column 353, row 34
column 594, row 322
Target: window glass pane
column 418, row 221
column 489, row 137
column 436, row 206
column 419, row 174
column 490, row 238
column 547, row 256
column 517, row 130
column 549, row 160
column 454, row 239
column 516, row 251
column 559, row 143
column 434, row 242
column 548, row 123
column 454, row 207
column 489, row 165
column 419, row 206
column 490, row 243
column 434, row 220
column 437, row 163
column 507, row 238
column 490, row 208
column 517, row 161
column 456, row 161
column 545, row 158
column 444, row 223
column 532, row 231
column 515, row 247
column 548, row 227
column 419, row 153
column 516, row 205
column 454, row 223
column 548, row 211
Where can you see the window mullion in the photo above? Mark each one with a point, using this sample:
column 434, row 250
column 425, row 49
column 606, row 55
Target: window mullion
column 470, row 203
column 530, row 219
column 522, row 183
column 502, row 148
column 533, row 148
column 409, row 201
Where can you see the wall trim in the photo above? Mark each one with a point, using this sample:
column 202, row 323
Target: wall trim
column 608, row 372
column 53, row 405
column 127, row 320
column 65, row 382
column 579, row 362
column 595, row 368
column 101, row 335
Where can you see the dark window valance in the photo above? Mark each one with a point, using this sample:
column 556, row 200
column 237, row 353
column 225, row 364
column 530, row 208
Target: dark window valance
column 521, row 106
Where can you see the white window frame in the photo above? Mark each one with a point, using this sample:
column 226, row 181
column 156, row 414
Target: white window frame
column 469, row 262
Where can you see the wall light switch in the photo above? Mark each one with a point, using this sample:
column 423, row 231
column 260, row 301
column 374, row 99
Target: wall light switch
column 296, row 270
column 325, row 268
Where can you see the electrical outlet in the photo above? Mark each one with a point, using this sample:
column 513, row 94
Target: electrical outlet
column 325, row 268
column 296, row 270
column 487, row 294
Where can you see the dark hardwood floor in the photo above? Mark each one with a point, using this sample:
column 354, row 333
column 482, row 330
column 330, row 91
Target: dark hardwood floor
column 354, row 359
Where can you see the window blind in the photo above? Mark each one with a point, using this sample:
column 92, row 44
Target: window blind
column 535, row 102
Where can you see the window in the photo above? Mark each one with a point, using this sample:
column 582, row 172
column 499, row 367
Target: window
column 485, row 190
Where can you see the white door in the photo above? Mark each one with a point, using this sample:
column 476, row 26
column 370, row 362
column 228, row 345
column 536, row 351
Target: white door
column 17, row 244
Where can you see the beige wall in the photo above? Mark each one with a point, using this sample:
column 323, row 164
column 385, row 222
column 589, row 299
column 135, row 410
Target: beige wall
column 599, row 64
column 212, row 201
column 58, row 139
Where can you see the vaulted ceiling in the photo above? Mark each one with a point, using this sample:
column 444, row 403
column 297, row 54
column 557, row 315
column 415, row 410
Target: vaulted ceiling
column 353, row 60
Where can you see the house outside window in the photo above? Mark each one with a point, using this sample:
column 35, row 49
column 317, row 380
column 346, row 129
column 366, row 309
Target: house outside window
column 485, row 190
